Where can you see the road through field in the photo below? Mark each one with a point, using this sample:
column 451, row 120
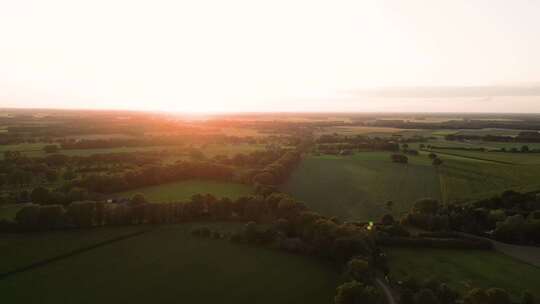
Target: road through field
column 527, row 254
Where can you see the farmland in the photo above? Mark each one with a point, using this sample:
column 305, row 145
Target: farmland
column 358, row 186
column 183, row 190
column 465, row 269
column 168, row 264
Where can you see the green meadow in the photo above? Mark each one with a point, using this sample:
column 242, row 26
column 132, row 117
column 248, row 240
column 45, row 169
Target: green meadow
column 357, row 187
column 168, row 265
column 464, row 269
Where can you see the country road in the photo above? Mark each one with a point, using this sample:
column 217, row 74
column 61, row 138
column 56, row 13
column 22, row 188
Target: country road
column 386, row 290
column 527, row 254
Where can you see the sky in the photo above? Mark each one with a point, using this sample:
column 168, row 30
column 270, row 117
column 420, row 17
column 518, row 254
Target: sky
column 250, row 56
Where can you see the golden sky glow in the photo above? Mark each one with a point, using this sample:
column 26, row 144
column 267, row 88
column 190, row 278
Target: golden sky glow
column 263, row 55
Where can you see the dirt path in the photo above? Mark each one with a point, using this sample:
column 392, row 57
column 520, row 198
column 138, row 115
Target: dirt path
column 386, row 290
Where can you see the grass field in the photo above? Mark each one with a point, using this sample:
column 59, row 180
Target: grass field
column 463, row 269
column 183, row 190
column 511, row 158
column 357, row 187
column 168, row 265
column 465, row 179
column 19, row 250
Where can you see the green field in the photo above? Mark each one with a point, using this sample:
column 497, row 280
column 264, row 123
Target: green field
column 19, row 250
column 357, row 187
column 465, row 179
column 168, row 265
column 183, row 190
column 464, row 269
column 502, row 157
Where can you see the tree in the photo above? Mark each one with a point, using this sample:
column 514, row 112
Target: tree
column 399, row 158
column 356, row 293
column 437, row 162
column 50, row 148
column 51, row 216
column 426, row 206
column 82, row 214
column 359, row 270
column 497, row 296
column 525, row 149
column 51, row 175
column 387, row 219
column 389, row 205
column 489, row 296
column 28, row 216
column 40, row 195
column 69, row 174
column 264, row 178
column 138, row 199
column 432, row 155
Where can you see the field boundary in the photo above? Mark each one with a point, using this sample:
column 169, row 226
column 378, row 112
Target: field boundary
column 472, row 157
column 72, row 253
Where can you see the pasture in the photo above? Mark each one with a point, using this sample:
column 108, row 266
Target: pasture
column 464, row 269
column 357, row 187
column 183, row 190
column 466, row 179
column 168, row 265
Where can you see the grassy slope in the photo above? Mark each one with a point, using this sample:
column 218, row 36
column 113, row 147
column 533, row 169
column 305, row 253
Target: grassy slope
column 183, row 190
column 357, row 187
column 466, row 268
column 171, row 266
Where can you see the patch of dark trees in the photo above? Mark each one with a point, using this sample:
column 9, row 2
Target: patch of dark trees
column 336, row 144
column 523, row 136
column 524, row 124
column 511, row 217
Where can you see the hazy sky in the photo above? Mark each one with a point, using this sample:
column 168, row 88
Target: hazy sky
column 268, row 55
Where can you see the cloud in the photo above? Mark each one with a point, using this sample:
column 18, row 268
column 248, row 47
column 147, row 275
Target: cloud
column 448, row 91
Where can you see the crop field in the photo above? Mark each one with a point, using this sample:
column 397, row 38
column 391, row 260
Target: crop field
column 168, row 264
column 183, row 190
column 470, row 179
column 464, row 269
column 357, row 187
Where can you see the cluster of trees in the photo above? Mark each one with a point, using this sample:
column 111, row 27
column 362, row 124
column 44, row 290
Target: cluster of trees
column 154, row 175
column 523, row 136
column 428, row 291
column 335, row 144
column 494, row 296
column 524, row 124
column 289, row 225
column 399, row 158
column 277, row 171
column 510, row 217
